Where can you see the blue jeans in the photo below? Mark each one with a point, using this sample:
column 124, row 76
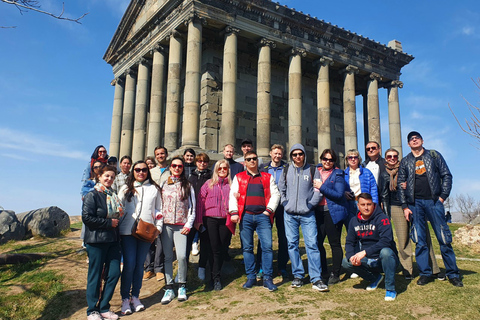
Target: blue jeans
column 370, row 269
column 261, row 224
column 309, row 229
column 134, row 253
column 434, row 212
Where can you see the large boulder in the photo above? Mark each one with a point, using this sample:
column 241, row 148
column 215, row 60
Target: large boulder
column 10, row 227
column 45, row 222
column 469, row 235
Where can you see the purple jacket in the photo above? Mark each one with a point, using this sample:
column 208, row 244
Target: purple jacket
column 213, row 201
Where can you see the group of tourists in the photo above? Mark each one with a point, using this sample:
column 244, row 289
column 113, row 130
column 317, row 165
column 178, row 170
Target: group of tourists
column 186, row 202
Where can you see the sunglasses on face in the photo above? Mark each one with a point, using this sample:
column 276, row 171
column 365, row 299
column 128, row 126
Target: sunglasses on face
column 371, row 148
column 102, row 151
column 251, row 159
column 414, row 138
column 138, row 170
column 175, row 166
column 299, row 154
column 96, row 167
column 392, row 156
column 352, row 158
column 223, row 169
column 327, row 159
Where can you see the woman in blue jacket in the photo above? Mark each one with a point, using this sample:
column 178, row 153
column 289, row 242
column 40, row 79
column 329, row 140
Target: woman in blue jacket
column 330, row 213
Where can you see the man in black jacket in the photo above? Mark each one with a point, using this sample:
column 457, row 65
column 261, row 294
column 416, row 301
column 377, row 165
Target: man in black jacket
column 428, row 184
column 370, row 248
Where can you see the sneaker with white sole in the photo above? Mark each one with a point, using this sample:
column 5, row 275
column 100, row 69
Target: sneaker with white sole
column 109, row 315
column 195, row 251
column 182, row 293
column 168, row 296
column 372, row 286
column 353, row 276
column 137, row 305
column 94, row 316
column 126, row 308
column 390, row 295
column 320, row 286
column 201, row 273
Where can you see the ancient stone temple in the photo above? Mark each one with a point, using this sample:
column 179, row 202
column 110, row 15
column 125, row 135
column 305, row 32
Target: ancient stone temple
column 204, row 73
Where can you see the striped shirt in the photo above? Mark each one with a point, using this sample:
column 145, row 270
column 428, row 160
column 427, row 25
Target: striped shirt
column 255, row 198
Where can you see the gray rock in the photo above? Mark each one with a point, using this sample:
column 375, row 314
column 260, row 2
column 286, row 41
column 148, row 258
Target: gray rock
column 476, row 221
column 10, row 227
column 45, row 222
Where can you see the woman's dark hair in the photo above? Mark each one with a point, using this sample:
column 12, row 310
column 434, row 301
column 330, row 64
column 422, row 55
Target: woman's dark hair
column 330, row 152
column 190, row 150
column 93, row 176
column 131, row 180
column 95, row 153
column 107, row 168
column 185, row 184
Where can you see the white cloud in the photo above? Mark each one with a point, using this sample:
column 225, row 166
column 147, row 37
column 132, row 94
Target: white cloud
column 15, row 156
column 15, row 140
column 468, row 31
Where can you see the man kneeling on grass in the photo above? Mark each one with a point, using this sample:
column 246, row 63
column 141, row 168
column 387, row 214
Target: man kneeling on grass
column 370, row 233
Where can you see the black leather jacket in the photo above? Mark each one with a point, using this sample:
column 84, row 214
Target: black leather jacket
column 98, row 228
column 438, row 175
column 389, row 198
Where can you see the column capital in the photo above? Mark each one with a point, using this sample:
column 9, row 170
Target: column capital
column 130, row 72
column 195, row 17
column 231, row 30
column 323, row 61
column 396, row 83
column 117, row 80
column 297, row 52
column 350, row 70
column 143, row 61
column 174, row 34
column 158, row 48
column 265, row 42
column 375, row 76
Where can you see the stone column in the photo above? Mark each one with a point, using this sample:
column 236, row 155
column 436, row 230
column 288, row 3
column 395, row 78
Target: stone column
column 229, row 105
column 264, row 79
column 394, row 116
column 154, row 136
column 373, row 109
column 191, row 106
column 323, row 104
column 172, row 110
column 141, row 105
column 128, row 115
column 295, row 97
column 116, row 132
column 349, row 110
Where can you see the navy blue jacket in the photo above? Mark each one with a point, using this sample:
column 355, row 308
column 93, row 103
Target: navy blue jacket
column 373, row 235
column 333, row 189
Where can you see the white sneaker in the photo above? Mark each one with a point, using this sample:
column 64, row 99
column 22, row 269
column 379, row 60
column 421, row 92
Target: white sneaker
column 201, row 273
column 109, row 315
column 353, row 276
column 195, row 251
column 94, row 316
column 168, row 296
column 182, row 294
column 137, row 305
column 126, row 309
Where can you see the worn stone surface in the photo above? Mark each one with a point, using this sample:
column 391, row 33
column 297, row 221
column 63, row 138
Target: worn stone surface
column 45, row 222
column 10, row 227
column 469, row 235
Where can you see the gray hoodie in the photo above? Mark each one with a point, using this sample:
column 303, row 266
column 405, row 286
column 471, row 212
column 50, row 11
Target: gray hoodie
column 298, row 194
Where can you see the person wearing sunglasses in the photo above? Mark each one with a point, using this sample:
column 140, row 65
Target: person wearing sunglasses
column 330, row 213
column 375, row 163
column 197, row 178
column 178, row 210
column 141, row 198
column 428, row 184
column 253, row 199
column 299, row 199
column 393, row 208
column 212, row 212
column 99, row 154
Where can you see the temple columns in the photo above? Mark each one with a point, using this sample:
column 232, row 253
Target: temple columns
column 154, row 136
column 191, row 106
column 349, row 110
column 141, row 104
column 263, row 97
column 172, row 110
column 116, row 131
column 295, row 97
column 394, row 116
column 373, row 109
column 229, row 104
column 128, row 114
column 323, row 104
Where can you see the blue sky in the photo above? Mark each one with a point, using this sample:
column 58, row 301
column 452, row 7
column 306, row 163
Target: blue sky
column 56, row 99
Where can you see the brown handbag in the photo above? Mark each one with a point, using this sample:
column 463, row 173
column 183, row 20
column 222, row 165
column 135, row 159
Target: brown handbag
column 144, row 231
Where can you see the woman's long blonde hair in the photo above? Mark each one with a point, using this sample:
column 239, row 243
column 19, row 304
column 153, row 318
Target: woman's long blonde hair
column 215, row 177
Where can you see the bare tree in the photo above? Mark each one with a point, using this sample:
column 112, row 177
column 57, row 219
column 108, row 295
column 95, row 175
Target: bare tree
column 472, row 125
column 468, row 206
column 34, row 5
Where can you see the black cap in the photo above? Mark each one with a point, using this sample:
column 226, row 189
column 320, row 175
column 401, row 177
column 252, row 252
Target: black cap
column 414, row 133
column 246, row 141
column 112, row 160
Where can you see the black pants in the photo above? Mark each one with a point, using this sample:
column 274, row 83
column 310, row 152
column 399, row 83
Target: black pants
column 205, row 250
column 155, row 258
column 326, row 228
column 219, row 236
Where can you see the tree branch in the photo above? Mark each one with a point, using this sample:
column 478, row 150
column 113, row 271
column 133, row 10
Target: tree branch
column 25, row 5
